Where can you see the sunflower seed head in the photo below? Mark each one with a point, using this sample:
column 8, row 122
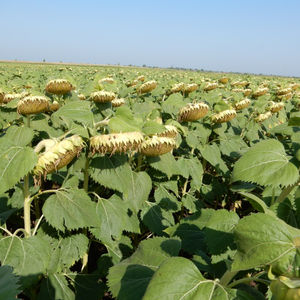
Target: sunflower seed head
column 242, row 104
column 33, row 105
column 224, row 116
column 59, row 86
column 193, row 112
column 103, row 96
column 147, row 87
column 262, row 117
column 58, row 155
column 116, row 142
column 156, row 146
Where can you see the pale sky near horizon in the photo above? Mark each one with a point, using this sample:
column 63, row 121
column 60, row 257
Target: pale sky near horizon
column 239, row 36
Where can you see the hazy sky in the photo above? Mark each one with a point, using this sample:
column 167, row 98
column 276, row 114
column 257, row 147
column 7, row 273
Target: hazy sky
column 244, row 36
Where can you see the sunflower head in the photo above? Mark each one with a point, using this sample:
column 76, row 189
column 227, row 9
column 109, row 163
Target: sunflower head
column 103, row 96
column 193, row 112
column 156, row 146
column 116, row 142
column 224, row 116
column 59, row 86
column 33, row 105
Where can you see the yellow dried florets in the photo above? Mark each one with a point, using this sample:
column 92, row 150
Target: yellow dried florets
column 33, row 105
column 9, row 97
column 106, row 80
column 263, row 117
column 190, row 88
column 211, row 86
column 283, row 91
column 193, row 112
column 276, row 106
column 176, row 88
column 147, row 87
column 224, row 80
column 57, row 155
column 242, row 104
column 156, row 146
column 116, row 142
column 224, row 116
column 170, row 132
column 103, row 96
column 59, row 86
column 260, row 92
column 117, row 102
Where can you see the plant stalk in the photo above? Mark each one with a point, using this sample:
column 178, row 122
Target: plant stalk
column 227, row 277
column 248, row 279
column 27, row 199
column 85, row 258
column 285, row 192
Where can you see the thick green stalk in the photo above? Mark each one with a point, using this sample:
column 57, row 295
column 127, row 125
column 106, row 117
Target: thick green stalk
column 248, row 279
column 140, row 160
column 227, row 277
column 27, row 199
column 285, row 192
column 85, row 258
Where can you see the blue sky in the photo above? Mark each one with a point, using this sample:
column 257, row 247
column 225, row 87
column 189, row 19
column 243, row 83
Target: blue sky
column 243, row 36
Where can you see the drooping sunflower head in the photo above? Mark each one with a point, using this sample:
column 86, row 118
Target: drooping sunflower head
column 103, row 96
column 242, row 104
column 191, row 87
column 224, row 80
column 116, row 142
column 2, row 94
column 147, row 87
column 224, row 116
column 275, row 107
column 141, row 78
column 106, row 80
column 59, row 86
column 156, row 146
column 117, row 102
column 170, row 132
column 260, row 92
column 285, row 91
column 211, row 86
column 262, row 117
column 57, row 155
column 54, row 106
column 176, row 88
column 33, row 105
column 193, row 112
column 9, row 97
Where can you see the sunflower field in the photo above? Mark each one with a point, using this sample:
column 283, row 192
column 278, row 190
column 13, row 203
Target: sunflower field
column 154, row 184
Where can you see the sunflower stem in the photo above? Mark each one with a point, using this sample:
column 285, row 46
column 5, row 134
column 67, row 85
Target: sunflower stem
column 27, row 199
column 227, row 277
column 85, row 258
column 140, row 161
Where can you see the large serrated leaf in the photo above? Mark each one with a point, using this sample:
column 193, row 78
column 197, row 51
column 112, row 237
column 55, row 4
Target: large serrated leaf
column 128, row 280
column 266, row 163
column 27, row 256
column 79, row 111
column 114, row 217
column 264, row 239
column 9, row 285
column 207, row 230
column 66, row 251
column 70, row 209
column 213, row 155
column 55, row 287
column 112, row 172
column 15, row 163
column 164, row 163
column 156, row 218
column 178, row 278
column 18, row 136
column 138, row 190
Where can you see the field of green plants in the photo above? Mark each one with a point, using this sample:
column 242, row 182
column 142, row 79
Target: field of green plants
column 135, row 183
